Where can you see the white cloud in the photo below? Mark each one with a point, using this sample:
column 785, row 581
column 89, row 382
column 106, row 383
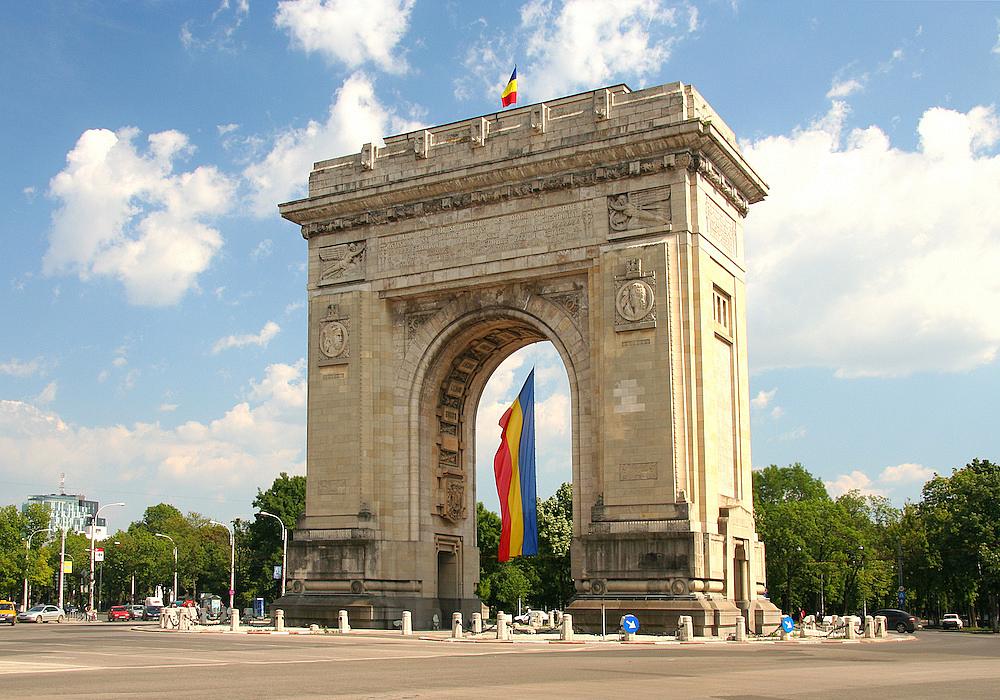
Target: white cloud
column 47, row 395
column 889, row 481
column 872, row 259
column 293, row 307
column 356, row 117
column 168, row 407
column 777, row 412
column 261, row 339
column 996, row 46
column 348, row 31
column 857, row 480
column 906, row 473
column 263, row 249
column 219, row 31
column 843, row 88
column 127, row 215
column 763, row 398
column 579, row 44
column 226, row 458
column 19, row 368
column 119, row 361
column 103, row 375
column 224, row 129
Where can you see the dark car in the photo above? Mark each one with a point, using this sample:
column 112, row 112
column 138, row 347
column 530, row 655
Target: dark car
column 898, row 620
column 152, row 612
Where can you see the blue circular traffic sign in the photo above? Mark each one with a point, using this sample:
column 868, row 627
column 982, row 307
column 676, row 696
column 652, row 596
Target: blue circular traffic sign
column 787, row 623
column 630, row 623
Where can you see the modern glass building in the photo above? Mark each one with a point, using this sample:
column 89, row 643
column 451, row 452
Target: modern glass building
column 72, row 512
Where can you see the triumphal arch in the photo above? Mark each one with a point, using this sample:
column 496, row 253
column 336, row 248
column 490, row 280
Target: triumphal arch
column 609, row 223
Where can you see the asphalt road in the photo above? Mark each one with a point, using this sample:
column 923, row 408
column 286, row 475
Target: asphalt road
column 112, row 661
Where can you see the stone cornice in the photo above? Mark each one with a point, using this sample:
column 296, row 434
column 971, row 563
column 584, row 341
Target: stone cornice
column 348, row 213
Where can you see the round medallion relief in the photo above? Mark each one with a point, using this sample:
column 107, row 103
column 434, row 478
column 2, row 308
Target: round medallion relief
column 634, row 300
column 333, row 339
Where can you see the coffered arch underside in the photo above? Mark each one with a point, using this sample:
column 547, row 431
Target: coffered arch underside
column 449, row 356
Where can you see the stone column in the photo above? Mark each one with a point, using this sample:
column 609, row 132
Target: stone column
column 869, row 627
column 881, row 627
column 850, row 632
column 406, row 626
column 343, row 623
column 456, row 625
column 279, row 620
column 477, row 623
column 234, row 620
column 566, row 630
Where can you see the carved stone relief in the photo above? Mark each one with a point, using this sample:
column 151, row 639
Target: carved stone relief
column 341, row 263
column 640, row 209
column 334, row 335
column 721, row 228
column 635, row 297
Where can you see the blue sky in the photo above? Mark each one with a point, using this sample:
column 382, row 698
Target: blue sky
column 153, row 305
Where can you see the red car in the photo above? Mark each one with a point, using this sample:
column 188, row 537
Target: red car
column 119, row 612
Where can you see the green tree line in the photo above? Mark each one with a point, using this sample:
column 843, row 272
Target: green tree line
column 136, row 560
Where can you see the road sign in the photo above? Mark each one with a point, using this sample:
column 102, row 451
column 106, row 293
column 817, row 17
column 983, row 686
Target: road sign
column 277, row 571
column 232, row 592
column 630, row 623
column 787, row 623
column 67, row 567
column 902, row 598
column 99, row 554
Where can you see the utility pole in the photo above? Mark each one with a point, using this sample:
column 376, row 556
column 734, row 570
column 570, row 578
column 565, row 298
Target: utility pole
column 27, row 554
column 168, row 537
column 284, row 549
column 62, row 566
column 93, row 537
column 232, row 561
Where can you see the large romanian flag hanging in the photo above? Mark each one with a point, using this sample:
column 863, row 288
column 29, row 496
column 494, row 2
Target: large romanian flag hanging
column 514, row 467
column 509, row 94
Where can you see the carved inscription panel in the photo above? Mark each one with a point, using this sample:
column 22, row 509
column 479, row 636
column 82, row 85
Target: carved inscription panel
column 557, row 227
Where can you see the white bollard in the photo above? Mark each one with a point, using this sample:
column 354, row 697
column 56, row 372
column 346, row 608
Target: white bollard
column 477, row 623
column 566, row 630
column 741, row 629
column 406, row 627
column 685, row 628
column 881, row 627
column 234, row 620
column 626, row 635
column 502, row 631
column 279, row 620
column 850, row 631
column 456, row 625
column 869, row 627
column 342, row 622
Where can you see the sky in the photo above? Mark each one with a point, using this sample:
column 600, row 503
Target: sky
column 153, row 300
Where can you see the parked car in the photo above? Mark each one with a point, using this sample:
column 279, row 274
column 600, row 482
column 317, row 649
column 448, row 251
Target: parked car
column 119, row 613
column 136, row 611
column 151, row 612
column 8, row 613
column 899, row 620
column 42, row 613
column 951, row 621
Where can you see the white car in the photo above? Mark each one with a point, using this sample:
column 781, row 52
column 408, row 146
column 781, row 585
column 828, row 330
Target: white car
column 951, row 621
column 42, row 613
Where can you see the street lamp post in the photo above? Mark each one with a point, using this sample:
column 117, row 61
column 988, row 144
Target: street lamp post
column 27, row 553
column 93, row 538
column 232, row 561
column 62, row 567
column 168, row 537
column 284, row 547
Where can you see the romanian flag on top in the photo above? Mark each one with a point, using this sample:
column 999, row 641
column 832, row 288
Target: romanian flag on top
column 514, row 468
column 509, row 94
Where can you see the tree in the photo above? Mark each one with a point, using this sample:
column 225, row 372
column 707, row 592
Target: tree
column 259, row 540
